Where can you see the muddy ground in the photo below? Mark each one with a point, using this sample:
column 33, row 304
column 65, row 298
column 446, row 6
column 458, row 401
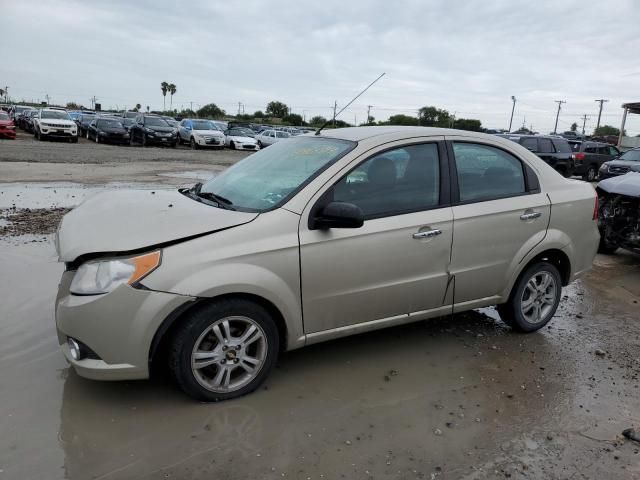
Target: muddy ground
column 456, row 397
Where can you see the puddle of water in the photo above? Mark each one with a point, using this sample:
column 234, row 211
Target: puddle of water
column 194, row 174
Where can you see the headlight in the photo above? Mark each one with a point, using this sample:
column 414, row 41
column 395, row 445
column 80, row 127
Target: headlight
column 103, row 276
column 604, row 167
column 102, row 134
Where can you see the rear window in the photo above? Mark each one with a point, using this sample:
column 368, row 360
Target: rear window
column 562, row 145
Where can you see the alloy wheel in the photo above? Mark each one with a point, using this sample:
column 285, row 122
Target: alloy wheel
column 538, row 297
column 229, row 354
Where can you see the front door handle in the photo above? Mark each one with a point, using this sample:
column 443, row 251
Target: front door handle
column 530, row 216
column 427, row 234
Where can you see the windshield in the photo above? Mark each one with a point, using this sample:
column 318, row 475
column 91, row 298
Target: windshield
column 155, row 122
column 239, row 132
column 630, row 156
column 87, row 118
column 203, row 125
column 55, row 114
column 4, row 116
column 109, row 124
column 271, row 176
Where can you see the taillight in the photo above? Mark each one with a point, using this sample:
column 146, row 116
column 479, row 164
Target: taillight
column 578, row 156
column 596, row 207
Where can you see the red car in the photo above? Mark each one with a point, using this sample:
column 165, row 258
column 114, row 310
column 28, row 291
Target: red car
column 7, row 127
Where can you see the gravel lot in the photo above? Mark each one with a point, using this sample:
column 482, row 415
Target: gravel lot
column 456, row 397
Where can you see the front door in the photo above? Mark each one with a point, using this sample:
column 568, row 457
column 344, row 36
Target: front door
column 397, row 262
column 500, row 216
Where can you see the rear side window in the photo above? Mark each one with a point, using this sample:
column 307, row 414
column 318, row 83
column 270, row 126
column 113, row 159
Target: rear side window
column 603, row 150
column 486, row 173
column 561, row 145
column 591, row 149
column 545, row 145
column 614, row 151
column 530, row 144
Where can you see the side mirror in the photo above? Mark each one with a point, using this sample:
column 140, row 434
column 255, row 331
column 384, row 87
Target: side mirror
column 339, row 215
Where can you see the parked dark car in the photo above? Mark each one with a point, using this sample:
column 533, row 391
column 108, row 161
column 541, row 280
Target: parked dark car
column 588, row 157
column 629, row 161
column 152, row 129
column 28, row 120
column 128, row 122
column 21, row 119
column 83, row 122
column 619, row 212
column 108, row 130
column 553, row 150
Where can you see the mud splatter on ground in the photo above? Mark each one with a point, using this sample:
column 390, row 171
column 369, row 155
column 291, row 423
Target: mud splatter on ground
column 30, row 221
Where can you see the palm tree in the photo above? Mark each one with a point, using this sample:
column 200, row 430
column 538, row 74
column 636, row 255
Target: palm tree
column 2, row 93
column 172, row 90
column 138, row 107
column 164, row 86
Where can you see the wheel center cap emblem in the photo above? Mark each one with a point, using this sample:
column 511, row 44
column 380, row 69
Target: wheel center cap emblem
column 231, row 354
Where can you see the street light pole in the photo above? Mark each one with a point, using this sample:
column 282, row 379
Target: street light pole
column 513, row 108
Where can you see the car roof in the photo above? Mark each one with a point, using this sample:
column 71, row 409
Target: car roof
column 361, row 133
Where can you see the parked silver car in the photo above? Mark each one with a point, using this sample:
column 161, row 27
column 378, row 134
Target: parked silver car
column 269, row 137
column 316, row 238
column 200, row 133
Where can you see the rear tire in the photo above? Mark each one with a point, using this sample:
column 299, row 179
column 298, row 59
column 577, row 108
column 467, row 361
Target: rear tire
column 534, row 298
column 591, row 174
column 233, row 367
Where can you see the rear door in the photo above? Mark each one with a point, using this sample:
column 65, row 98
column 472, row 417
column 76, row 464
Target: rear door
column 499, row 215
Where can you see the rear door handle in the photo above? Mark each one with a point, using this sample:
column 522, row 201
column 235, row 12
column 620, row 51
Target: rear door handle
column 530, row 216
column 427, row 234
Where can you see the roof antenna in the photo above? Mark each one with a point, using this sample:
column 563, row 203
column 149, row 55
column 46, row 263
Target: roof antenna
column 345, row 107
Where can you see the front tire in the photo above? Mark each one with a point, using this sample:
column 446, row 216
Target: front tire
column 224, row 350
column 534, row 299
column 193, row 144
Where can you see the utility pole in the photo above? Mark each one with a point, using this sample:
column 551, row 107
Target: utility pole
column 6, row 94
column 191, row 106
column 513, row 108
column 584, row 122
column 47, row 97
column 239, row 106
column 559, row 102
column 601, row 101
column 93, row 102
column 335, row 107
column 369, row 112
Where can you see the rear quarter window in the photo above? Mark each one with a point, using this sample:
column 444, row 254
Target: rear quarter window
column 562, row 146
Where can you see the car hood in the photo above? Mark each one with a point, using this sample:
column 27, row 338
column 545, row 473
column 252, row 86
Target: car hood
column 242, row 139
column 6, row 123
column 627, row 184
column 126, row 220
column 58, row 121
column 625, row 163
column 161, row 129
column 216, row 133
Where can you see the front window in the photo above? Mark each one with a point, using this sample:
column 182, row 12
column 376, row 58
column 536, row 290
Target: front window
column 268, row 178
column 631, row 156
column 55, row 115
column 155, row 122
column 4, row 116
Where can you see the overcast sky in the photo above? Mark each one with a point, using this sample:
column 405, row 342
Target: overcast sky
column 466, row 57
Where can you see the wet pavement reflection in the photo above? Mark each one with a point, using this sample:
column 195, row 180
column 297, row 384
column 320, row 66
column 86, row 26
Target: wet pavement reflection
column 457, row 397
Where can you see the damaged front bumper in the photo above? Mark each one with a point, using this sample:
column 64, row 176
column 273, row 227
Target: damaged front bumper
column 117, row 328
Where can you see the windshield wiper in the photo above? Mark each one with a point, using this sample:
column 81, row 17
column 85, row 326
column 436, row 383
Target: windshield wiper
column 223, row 202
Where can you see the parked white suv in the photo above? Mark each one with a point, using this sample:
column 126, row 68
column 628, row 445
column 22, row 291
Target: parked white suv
column 55, row 123
column 312, row 239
